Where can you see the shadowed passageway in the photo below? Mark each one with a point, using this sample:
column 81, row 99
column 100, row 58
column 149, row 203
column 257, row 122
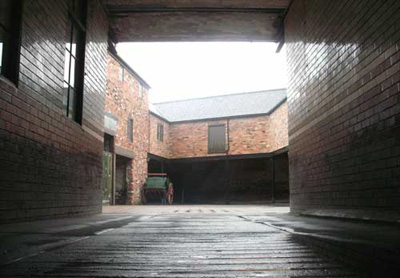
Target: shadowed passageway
column 178, row 241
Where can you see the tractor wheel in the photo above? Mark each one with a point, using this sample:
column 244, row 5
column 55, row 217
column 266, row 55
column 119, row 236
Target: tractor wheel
column 170, row 194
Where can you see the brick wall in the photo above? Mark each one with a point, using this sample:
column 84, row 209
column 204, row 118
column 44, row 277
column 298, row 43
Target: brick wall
column 252, row 135
column 278, row 129
column 157, row 147
column 189, row 139
column 259, row 134
column 51, row 166
column 344, row 110
column 123, row 100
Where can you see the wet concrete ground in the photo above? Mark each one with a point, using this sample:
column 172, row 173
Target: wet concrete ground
column 163, row 241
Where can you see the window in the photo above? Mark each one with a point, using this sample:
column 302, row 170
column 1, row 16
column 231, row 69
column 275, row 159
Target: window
column 160, row 132
column 217, row 139
column 130, row 129
column 121, row 73
column 108, row 143
column 74, row 59
column 10, row 25
column 140, row 90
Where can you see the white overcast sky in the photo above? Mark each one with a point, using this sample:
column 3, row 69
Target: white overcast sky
column 183, row 70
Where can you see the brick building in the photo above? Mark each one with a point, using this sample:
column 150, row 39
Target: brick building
column 52, row 85
column 223, row 148
column 344, row 110
column 175, row 136
column 126, row 133
column 343, row 64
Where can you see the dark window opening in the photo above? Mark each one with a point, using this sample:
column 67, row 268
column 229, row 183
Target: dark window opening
column 130, row 129
column 216, row 139
column 10, row 30
column 108, row 143
column 160, row 132
column 74, row 59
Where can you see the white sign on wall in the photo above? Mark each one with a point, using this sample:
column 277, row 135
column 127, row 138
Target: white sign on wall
column 110, row 123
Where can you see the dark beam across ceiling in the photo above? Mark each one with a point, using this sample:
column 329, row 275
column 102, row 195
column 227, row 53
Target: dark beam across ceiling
column 180, row 20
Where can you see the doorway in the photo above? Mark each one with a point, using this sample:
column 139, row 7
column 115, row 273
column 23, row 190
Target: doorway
column 121, row 179
column 108, row 167
column 245, row 180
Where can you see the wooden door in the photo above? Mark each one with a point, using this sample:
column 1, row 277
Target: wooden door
column 107, row 177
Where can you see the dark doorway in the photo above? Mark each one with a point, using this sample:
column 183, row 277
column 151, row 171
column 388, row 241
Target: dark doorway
column 245, row 180
column 156, row 164
column 121, row 180
column 198, row 182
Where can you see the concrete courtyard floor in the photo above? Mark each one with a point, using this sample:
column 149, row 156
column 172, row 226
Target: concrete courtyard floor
column 198, row 241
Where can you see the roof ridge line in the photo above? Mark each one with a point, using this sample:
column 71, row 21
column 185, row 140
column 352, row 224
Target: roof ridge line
column 233, row 94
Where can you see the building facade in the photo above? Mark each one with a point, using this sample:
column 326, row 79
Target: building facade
column 230, row 148
column 244, row 135
column 52, row 88
column 343, row 64
column 233, row 152
column 127, row 107
column 344, row 108
column 159, row 147
column 257, row 127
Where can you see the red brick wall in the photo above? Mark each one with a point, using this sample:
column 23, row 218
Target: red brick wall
column 190, row 139
column 157, row 147
column 123, row 100
column 344, row 110
column 262, row 134
column 51, row 166
column 278, row 130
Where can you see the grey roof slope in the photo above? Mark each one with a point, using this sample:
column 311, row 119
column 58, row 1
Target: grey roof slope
column 242, row 104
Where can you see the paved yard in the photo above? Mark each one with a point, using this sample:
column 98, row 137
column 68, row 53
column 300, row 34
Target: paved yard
column 165, row 241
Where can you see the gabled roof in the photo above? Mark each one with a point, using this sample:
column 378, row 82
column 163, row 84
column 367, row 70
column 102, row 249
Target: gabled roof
column 224, row 106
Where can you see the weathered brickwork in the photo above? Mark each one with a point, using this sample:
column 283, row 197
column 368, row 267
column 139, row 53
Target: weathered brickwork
column 123, row 100
column 259, row 134
column 95, row 67
column 278, row 131
column 159, row 148
column 344, row 106
column 189, row 139
column 51, row 166
column 247, row 135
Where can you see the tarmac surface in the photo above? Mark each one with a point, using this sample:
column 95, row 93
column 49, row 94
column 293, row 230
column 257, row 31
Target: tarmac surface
column 169, row 241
